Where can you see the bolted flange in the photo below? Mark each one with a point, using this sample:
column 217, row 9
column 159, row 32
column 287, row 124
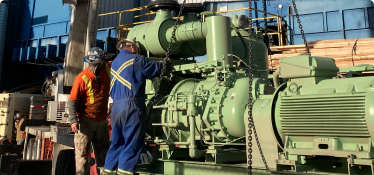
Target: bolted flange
column 193, row 8
column 163, row 4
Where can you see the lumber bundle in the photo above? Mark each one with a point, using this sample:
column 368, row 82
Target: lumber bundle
column 340, row 50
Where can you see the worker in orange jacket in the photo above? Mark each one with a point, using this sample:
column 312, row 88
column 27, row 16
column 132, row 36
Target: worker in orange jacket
column 88, row 106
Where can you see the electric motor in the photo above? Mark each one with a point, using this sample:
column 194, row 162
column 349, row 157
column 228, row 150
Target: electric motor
column 314, row 114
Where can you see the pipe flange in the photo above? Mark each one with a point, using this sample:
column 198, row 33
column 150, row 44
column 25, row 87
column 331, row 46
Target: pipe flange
column 193, row 8
column 163, row 4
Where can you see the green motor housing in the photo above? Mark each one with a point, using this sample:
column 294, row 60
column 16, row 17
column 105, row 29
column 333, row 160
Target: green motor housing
column 316, row 114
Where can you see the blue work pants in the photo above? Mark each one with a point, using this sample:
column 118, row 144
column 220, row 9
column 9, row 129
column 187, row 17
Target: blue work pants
column 128, row 132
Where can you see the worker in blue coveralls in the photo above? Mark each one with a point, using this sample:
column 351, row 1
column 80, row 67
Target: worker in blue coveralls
column 129, row 73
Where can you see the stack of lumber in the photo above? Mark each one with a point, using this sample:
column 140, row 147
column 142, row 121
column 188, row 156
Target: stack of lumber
column 340, row 50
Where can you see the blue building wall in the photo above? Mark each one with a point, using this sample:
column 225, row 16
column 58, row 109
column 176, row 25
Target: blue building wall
column 45, row 28
column 321, row 19
column 37, row 35
column 38, row 29
column 46, row 22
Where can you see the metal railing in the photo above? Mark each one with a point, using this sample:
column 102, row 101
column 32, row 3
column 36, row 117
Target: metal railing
column 273, row 16
column 123, row 29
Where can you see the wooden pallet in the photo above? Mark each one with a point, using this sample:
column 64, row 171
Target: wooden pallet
column 340, row 50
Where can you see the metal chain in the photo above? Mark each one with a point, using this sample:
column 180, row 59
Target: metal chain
column 301, row 27
column 249, row 151
column 266, row 27
column 251, row 125
column 265, row 22
column 166, row 57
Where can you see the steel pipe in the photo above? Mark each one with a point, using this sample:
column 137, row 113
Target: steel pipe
column 38, row 149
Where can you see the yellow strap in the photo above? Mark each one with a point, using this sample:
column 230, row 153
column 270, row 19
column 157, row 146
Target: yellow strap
column 90, row 91
column 123, row 171
column 121, row 80
column 108, row 70
column 124, row 82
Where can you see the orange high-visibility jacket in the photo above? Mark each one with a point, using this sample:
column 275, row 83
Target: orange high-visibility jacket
column 92, row 97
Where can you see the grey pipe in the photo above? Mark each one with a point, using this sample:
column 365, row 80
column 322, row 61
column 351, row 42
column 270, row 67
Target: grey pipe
column 3, row 27
column 192, row 112
column 193, row 152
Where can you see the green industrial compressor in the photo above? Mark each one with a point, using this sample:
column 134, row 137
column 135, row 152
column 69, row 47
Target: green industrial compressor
column 313, row 123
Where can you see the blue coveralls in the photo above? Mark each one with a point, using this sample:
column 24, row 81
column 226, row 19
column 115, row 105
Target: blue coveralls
column 129, row 73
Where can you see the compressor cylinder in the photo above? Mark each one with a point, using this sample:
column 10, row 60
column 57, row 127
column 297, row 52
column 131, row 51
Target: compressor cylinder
column 218, row 111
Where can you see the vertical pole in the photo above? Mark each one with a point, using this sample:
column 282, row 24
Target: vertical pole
column 93, row 18
column 126, row 31
column 120, row 18
column 24, row 157
column 279, row 36
column 38, row 148
column 281, row 30
column 76, row 48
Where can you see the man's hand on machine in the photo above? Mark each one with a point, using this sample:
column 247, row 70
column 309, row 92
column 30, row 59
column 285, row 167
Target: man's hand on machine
column 165, row 59
column 167, row 63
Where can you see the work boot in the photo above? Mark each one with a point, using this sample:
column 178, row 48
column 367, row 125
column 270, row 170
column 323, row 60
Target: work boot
column 100, row 170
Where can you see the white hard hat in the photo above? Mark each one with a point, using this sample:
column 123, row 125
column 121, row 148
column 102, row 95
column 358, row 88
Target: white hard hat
column 126, row 42
column 17, row 116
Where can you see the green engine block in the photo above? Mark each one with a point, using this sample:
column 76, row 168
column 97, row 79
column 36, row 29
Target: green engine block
column 205, row 112
column 312, row 122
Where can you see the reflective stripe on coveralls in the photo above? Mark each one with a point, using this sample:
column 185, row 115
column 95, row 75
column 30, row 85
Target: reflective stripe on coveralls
column 123, row 172
column 128, row 110
column 109, row 172
column 116, row 75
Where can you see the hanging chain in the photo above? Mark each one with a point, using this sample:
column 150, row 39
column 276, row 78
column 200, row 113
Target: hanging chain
column 249, row 151
column 265, row 22
column 251, row 125
column 301, row 27
column 266, row 27
column 166, row 57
